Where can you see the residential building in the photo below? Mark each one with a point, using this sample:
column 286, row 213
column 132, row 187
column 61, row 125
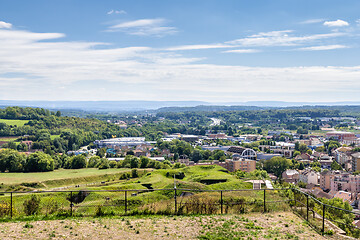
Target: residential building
column 290, row 176
column 343, row 154
column 325, row 180
column 355, row 161
column 309, row 177
column 242, row 164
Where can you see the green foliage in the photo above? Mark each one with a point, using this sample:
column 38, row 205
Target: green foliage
column 32, row 205
column 39, row 162
column 76, row 162
column 335, row 166
column 276, row 165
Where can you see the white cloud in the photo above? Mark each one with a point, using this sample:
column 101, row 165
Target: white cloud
column 358, row 22
column 5, row 25
column 242, row 51
column 144, row 27
column 198, row 47
column 280, row 38
column 324, row 47
column 337, row 23
column 311, row 21
column 116, row 12
column 64, row 70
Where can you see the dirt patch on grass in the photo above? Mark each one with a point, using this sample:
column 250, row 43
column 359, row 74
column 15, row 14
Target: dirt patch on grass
column 283, row 225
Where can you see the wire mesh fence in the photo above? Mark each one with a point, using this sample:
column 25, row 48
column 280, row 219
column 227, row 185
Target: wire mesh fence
column 324, row 218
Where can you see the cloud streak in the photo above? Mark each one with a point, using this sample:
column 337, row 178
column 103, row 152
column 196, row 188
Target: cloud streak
column 242, row 51
column 116, row 12
column 337, row 23
column 324, row 47
column 144, row 27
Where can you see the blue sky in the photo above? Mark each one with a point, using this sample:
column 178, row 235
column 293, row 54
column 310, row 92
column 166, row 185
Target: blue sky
column 216, row 51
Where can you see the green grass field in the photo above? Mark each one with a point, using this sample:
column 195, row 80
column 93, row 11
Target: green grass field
column 8, row 139
column 59, row 177
column 18, row 123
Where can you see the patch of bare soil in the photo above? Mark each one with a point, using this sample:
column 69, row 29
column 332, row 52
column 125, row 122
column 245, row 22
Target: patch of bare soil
column 283, row 225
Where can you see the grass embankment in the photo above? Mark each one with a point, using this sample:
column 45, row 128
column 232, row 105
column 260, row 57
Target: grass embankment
column 282, row 225
column 60, row 177
column 11, row 122
column 144, row 200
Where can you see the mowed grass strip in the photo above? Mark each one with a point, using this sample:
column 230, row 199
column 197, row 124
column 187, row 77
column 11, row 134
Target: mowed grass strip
column 60, row 174
column 18, row 123
column 8, row 139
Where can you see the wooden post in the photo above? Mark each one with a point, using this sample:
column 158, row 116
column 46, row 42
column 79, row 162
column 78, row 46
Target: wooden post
column 71, row 203
column 125, row 202
column 264, row 200
column 175, row 200
column 323, row 220
column 11, row 204
column 307, row 207
column 221, row 201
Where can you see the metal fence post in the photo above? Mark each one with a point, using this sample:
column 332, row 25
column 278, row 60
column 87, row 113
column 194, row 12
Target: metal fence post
column 175, row 200
column 323, row 220
column 264, row 200
column 221, row 201
column 307, row 207
column 11, row 204
column 71, row 203
column 125, row 202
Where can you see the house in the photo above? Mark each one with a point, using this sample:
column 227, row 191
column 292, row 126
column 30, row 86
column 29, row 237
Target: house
column 290, row 176
column 303, row 156
column 309, row 177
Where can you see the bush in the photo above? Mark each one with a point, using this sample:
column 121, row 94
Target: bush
column 5, row 209
column 32, row 206
column 134, row 173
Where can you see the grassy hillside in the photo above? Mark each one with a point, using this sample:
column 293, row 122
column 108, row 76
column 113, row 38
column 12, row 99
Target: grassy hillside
column 59, row 178
column 18, row 123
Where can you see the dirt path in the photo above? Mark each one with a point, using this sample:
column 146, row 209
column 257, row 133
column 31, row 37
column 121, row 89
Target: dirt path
column 249, row 226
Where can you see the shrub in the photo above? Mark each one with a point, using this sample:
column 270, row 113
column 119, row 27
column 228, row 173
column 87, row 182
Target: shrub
column 134, row 173
column 5, row 209
column 32, row 206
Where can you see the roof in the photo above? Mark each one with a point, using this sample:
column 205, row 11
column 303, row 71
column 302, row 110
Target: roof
column 356, row 155
column 291, row 172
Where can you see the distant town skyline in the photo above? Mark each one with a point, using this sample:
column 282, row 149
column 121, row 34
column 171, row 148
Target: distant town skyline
column 214, row 51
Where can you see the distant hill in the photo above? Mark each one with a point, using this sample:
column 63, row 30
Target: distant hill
column 104, row 106
column 171, row 106
column 203, row 108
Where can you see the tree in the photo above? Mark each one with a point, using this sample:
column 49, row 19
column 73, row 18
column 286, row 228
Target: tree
column 134, row 162
column 303, row 148
column 276, row 165
column 78, row 162
column 93, row 162
column 144, row 161
column 196, row 155
column 335, row 166
column 39, row 162
column 301, row 166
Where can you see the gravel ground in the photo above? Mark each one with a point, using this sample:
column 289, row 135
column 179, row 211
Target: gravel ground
column 284, row 225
